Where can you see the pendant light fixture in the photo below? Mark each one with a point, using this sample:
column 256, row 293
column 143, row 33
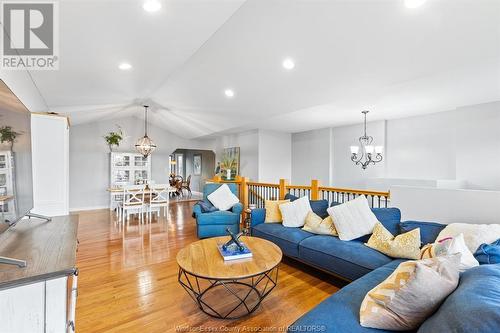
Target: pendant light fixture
column 145, row 145
column 366, row 154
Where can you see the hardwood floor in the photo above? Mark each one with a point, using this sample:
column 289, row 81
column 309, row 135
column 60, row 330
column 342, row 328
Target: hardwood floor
column 128, row 280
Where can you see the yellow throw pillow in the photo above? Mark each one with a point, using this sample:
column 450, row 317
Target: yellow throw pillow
column 410, row 294
column 273, row 213
column 317, row 225
column 406, row 245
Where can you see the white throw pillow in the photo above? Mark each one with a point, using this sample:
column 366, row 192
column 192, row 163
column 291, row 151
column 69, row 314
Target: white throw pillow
column 454, row 245
column 223, row 198
column 353, row 219
column 295, row 213
column 474, row 234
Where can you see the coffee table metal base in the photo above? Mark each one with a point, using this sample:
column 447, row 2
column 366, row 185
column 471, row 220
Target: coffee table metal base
column 245, row 294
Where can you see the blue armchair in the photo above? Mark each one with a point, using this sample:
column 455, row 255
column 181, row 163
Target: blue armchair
column 215, row 223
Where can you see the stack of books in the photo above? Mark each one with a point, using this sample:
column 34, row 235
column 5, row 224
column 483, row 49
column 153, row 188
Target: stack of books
column 233, row 252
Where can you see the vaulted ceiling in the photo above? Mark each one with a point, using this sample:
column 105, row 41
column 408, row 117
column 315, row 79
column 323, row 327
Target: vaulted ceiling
column 349, row 56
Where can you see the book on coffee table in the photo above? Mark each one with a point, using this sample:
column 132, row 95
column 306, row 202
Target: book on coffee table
column 232, row 252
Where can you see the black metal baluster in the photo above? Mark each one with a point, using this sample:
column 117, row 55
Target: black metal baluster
column 261, row 198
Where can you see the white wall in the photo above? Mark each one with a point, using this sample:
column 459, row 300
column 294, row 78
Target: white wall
column 249, row 151
column 275, row 156
column 345, row 173
column 265, row 156
column 458, row 148
column 446, row 205
column 89, row 157
column 311, row 153
column 50, row 159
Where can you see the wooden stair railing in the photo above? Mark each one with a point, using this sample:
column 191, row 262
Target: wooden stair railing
column 256, row 193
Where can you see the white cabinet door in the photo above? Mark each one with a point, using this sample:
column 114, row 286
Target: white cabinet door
column 35, row 308
column 56, row 307
column 22, row 309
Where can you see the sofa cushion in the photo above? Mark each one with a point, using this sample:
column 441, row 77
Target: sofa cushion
column 287, row 239
column 340, row 312
column 349, row 259
column 473, row 307
column 319, row 207
column 488, row 253
column 428, row 230
column 223, row 198
column 389, row 217
column 210, row 187
column 218, row 217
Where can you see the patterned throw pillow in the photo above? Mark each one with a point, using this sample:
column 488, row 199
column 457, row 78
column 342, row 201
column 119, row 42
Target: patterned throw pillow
column 410, row 294
column 451, row 245
column 406, row 245
column 273, row 213
column 316, row 225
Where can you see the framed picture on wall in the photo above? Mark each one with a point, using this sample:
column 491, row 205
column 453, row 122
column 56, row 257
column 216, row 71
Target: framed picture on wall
column 230, row 163
column 197, row 164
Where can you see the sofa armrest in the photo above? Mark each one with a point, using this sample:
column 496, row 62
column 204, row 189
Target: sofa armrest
column 258, row 216
column 237, row 208
column 196, row 210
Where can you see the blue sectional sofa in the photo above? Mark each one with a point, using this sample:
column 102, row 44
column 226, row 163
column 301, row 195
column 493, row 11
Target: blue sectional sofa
column 473, row 307
column 347, row 260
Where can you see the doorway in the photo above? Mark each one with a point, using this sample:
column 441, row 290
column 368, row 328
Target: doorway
column 195, row 166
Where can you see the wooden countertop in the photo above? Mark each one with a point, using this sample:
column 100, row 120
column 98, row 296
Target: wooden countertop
column 49, row 249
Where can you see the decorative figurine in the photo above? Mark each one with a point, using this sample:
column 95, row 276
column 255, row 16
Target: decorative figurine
column 234, row 239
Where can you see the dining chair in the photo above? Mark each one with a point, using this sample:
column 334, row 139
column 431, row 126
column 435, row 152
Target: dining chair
column 187, row 185
column 178, row 180
column 133, row 202
column 159, row 198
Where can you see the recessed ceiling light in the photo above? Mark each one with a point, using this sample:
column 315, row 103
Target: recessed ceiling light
column 288, row 64
column 125, row 66
column 152, row 5
column 229, row 93
column 414, row 3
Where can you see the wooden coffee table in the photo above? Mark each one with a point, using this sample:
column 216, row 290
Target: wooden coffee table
column 228, row 289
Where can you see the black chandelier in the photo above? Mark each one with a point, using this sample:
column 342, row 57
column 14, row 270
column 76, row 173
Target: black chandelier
column 366, row 153
column 145, row 145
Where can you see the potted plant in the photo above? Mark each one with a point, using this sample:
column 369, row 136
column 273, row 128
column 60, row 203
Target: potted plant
column 8, row 135
column 113, row 139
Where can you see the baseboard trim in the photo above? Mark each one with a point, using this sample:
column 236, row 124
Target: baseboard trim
column 78, row 209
